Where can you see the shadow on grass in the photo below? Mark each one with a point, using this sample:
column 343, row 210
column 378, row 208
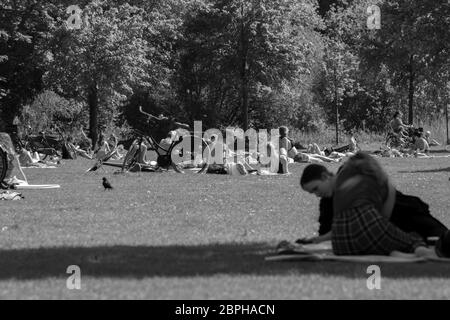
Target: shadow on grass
column 440, row 150
column 186, row 261
column 428, row 170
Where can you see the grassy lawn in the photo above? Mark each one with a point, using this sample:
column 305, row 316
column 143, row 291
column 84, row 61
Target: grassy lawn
column 173, row 236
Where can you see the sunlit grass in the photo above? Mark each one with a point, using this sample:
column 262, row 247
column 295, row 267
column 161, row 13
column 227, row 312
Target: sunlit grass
column 172, row 236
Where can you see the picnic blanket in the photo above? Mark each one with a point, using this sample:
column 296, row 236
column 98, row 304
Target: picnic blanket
column 23, row 185
column 287, row 251
column 38, row 165
column 26, row 186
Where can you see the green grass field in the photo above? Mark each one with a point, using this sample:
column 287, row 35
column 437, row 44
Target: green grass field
column 174, row 236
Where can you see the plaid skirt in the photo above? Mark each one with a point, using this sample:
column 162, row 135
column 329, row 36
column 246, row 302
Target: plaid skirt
column 362, row 230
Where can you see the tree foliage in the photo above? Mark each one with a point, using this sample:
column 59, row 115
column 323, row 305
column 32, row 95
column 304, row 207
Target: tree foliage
column 257, row 63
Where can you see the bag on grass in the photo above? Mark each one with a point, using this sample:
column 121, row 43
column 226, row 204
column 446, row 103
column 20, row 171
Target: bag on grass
column 10, row 195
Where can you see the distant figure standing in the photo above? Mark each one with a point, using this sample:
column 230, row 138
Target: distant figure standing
column 397, row 124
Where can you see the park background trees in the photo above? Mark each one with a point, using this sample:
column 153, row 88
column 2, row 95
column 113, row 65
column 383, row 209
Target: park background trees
column 254, row 63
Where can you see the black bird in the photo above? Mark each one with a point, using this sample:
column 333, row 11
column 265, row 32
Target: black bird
column 106, row 184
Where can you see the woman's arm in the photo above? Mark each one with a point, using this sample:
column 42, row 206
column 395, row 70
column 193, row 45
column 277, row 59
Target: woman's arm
column 322, row 238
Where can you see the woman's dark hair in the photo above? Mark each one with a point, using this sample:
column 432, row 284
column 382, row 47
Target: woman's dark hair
column 313, row 172
column 283, row 130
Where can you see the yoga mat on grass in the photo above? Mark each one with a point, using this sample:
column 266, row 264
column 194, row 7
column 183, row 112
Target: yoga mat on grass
column 26, row 186
column 287, row 251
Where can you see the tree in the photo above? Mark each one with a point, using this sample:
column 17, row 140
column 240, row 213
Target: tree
column 413, row 42
column 103, row 61
column 49, row 110
column 24, row 28
column 233, row 48
column 401, row 63
column 340, row 67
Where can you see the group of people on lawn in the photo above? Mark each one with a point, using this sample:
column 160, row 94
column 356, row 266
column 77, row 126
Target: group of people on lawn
column 361, row 211
column 421, row 141
column 275, row 159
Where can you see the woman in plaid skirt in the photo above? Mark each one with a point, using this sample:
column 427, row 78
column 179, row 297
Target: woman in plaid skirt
column 362, row 213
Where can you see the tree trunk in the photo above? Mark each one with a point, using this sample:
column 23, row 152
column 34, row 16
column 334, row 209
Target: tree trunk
column 244, row 71
column 337, row 115
column 411, row 90
column 446, row 122
column 93, row 113
column 245, row 100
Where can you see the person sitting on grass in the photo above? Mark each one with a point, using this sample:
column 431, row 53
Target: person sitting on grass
column 84, row 142
column 77, row 149
column 398, row 127
column 102, row 148
column 167, row 142
column 119, row 153
column 25, row 158
column 431, row 142
column 12, row 162
column 420, row 147
column 138, row 150
column 229, row 162
column 362, row 213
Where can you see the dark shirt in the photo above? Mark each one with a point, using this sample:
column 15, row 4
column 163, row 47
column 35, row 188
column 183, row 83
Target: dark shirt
column 326, row 215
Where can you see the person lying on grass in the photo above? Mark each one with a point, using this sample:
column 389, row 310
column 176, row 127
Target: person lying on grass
column 77, row 149
column 431, row 142
column 362, row 213
column 231, row 163
column 288, row 150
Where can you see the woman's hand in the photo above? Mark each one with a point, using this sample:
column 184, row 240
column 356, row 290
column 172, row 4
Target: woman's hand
column 305, row 240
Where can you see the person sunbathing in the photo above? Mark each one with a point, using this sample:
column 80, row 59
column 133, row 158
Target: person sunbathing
column 362, row 213
column 420, row 147
column 25, row 158
column 119, row 153
column 225, row 161
column 431, row 142
column 102, row 148
column 288, row 150
column 167, row 142
column 77, row 149
column 349, row 149
column 398, row 127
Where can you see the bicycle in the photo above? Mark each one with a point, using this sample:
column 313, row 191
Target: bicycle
column 49, row 145
column 189, row 154
column 395, row 140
